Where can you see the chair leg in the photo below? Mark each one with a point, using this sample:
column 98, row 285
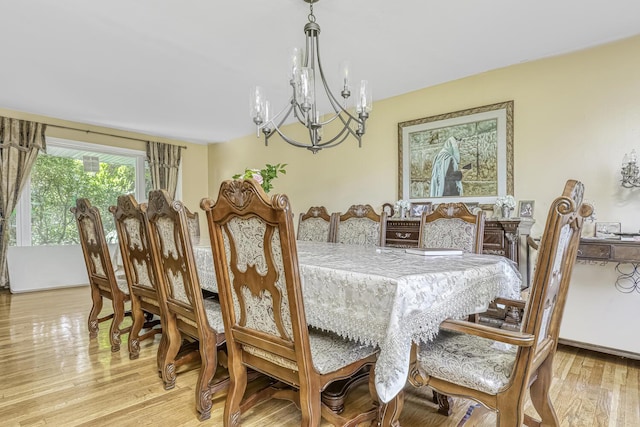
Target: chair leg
column 118, row 317
column 539, row 393
column 134, row 334
column 237, row 387
column 310, row 407
column 169, row 351
column 208, row 356
column 96, row 308
column 510, row 415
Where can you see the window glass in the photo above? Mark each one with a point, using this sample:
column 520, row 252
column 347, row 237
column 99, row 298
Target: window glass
column 69, row 171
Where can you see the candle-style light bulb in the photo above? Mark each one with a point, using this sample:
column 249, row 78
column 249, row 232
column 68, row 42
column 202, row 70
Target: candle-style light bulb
column 256, row 105
column 365, row 99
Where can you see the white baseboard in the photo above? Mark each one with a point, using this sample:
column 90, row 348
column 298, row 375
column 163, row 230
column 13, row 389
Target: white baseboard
column 600, row 349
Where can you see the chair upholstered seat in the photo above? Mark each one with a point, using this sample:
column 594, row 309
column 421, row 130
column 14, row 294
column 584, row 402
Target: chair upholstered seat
column 472, row 361
column 214, row 315
column 330, row 352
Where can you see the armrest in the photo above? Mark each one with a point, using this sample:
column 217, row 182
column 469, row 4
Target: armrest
column 510, row 302
column 509, row 337
column 531, row 242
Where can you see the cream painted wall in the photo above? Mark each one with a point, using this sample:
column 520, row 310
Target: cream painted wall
column 575, row 116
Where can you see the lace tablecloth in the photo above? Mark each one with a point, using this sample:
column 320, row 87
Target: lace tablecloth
column 389, row 298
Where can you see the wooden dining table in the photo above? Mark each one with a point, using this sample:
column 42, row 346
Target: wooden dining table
column 388, row 297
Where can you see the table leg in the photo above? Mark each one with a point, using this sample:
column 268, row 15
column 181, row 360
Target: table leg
column 389, row 413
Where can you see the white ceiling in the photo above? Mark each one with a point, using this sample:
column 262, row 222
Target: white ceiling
column 184, row 69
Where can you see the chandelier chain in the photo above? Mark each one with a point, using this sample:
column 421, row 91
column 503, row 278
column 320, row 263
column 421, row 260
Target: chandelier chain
column 311, row 16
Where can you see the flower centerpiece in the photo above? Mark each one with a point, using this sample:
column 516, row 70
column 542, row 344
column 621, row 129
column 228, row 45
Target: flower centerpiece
column 402, row 206
column 505, row 205
column 263, row 176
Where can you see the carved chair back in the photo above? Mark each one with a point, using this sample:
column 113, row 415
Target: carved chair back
column 187, row 311
column 452, row 225
column 137, row 262
column 316, row 225
column 256, row 263
column 102, row 277
column 360, row 225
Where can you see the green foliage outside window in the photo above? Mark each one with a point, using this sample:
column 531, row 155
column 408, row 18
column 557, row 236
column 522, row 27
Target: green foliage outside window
column 56, row 182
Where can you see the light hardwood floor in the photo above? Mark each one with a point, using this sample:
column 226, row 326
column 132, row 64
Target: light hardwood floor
column 54, row 375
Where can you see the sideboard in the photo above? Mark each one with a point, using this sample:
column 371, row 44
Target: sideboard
column 506, row 237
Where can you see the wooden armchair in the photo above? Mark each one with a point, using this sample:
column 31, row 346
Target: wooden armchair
column 131, row 227
column 360, row 225
column 452, row 225
column 256, row 265
column 316, row 225
column 188, row 312
column 102, row 278
column 496, row 367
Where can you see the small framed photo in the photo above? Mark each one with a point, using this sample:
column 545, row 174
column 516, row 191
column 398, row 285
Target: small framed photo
column 417, row 208
column 525, row 208
column 607, row 230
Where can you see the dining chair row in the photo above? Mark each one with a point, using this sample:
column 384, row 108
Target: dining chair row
column 267, row 327
column 450, row 225
column 161, row 281
column 360, row 225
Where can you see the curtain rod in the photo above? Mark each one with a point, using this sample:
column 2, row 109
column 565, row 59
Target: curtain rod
column 105, row 134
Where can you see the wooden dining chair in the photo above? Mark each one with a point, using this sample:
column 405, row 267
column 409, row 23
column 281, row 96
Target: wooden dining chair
column 452, row 225
column 193, row 225
column 360, row 225
column 102, row 277
column 256, row 263
column 316, row 225
column 188, row 313
column 135, row 251
column 497, row 367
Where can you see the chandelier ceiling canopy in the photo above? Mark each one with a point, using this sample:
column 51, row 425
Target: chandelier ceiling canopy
column 307, row 80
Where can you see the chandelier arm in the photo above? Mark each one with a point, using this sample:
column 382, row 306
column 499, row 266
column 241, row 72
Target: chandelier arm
column 332, row 99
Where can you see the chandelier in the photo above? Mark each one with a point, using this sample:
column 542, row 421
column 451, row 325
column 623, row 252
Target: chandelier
column 630, row 171
column 306, row 74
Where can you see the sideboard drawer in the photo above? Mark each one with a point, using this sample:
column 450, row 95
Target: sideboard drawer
column 402, row 233
column 625, row 253
column 594, row 251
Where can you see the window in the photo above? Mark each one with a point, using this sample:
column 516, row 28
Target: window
column 70, row 170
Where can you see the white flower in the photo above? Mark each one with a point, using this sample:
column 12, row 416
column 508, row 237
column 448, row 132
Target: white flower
column 402, row 204
column 507, row 201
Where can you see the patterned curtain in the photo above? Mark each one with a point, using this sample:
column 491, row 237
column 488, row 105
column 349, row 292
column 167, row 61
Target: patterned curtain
column 20, row 141
column 164, row 163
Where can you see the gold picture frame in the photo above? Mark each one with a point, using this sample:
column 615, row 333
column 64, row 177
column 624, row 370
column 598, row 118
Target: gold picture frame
column 480, row 142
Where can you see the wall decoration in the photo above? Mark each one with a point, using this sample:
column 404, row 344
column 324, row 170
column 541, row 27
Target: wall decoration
column 464, row 156
column 525, row 208
column 417, row 208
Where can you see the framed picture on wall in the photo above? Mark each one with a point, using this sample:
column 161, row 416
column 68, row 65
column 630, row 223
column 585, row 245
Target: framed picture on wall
column 525, row 208
column 457, row 157
column 418, row 208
